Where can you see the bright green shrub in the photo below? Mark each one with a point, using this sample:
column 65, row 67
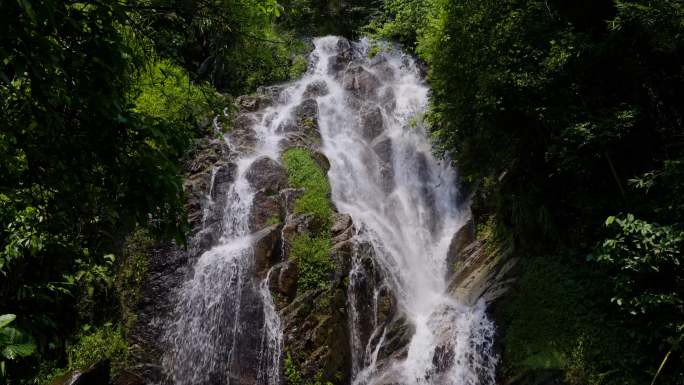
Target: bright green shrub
column 302, row 171
column 165, row 92
column 311, row 250
column 314, row 264
column 105, row 342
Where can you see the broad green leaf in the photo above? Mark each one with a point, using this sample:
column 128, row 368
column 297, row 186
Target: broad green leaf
column 5, row 319
column 15, row 351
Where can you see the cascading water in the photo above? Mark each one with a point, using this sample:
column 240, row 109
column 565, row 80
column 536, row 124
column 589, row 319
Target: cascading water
column 403, row 203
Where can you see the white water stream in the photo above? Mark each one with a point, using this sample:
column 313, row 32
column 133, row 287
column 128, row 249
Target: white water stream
column 403, row 202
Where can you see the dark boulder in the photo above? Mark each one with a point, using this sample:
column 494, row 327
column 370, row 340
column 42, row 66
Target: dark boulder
column 340, row 61
column 306, row 118
column 371, row 121
column 283, row 283
column 95, row 373
column 361, row 82
column 267, row 248
column 241, row 134
column 341, row 222
column 382, row 147
column 266, row 173
column 316, row 89
column 265, row 207
column 382, row 68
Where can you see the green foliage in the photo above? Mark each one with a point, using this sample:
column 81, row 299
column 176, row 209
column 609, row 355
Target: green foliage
column 298, row 67
column 77, row 159
column 562, row 318
column 645, row 261
column 329, row 17
column 302, row 172
column 314, row 266
column 14, row 343
column 272, row 221
column 311, row 250
column 292, row 375
column 164, row 91
column 105, row 342
column 132, row 272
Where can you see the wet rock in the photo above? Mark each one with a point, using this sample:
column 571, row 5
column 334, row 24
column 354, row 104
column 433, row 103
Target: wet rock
column 371, row 121
column 386, row 176
column 382, row 147
column 387, row 99
column 382, row 68
column 149, row 373
column 296, row 140
column 385, row 305
column 249, row 103
column 316, row 89
column 95, row 373
column 196, row 189
column 306, row 118
column 267, row 173
column 286, row 126
column 362, row 285
column 361, row 82
column 443, row 358
column 283, row 283
column 340, row 255
column 288, row 197
column 275, row 93
column 398, row 336
column 267, row 247
column 322, row 161
column 316, row 335
column 340, row 223
column 126, row 377
column 343, row 44
column 312, row 60
column 340, row 61
column 463, row 237
column 224, row 176
column 168, row 266
column 241, row 134
column 344, row 236
column 265, row 207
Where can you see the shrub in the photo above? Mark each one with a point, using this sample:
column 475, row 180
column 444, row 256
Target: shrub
column 105, row 342
column 302, row 171
column 314, row 264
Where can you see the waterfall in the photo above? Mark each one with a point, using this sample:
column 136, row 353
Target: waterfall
column 404, row 206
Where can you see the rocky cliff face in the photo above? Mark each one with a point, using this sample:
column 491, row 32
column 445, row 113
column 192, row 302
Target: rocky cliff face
column 331, row 333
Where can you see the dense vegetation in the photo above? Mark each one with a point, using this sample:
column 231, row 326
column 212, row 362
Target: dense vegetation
column 99, row 102
column 310, row 250
column 566, row 117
